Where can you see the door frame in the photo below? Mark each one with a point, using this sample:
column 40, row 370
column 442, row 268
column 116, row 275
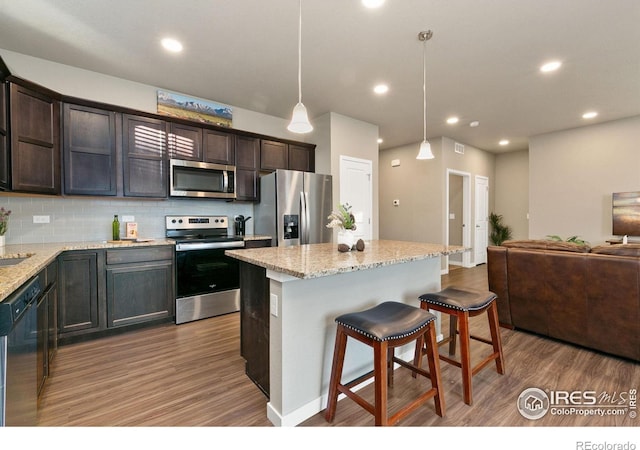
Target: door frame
column 466, row 216
column 476, row 248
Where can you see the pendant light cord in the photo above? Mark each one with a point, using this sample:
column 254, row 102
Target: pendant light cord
column 424, row 88
column 300, row 55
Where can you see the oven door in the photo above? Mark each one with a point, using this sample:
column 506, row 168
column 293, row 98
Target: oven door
column 207, row 284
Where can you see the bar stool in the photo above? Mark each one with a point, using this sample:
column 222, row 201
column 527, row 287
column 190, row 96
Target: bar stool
column 460, row 304
column 385, row 327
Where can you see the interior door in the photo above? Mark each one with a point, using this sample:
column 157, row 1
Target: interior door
column 482, row 220
column 356, row 190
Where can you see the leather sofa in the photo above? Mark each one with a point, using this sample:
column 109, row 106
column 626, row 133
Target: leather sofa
column 574, row 293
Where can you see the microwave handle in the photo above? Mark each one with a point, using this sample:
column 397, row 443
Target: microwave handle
column 225, row 181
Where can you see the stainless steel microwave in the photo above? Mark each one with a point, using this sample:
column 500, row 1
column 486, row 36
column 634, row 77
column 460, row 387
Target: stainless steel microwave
column 200, row 179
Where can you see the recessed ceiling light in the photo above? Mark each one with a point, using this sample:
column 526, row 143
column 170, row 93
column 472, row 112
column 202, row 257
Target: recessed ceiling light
column 504, row 142
column 474, row 124
column 381, row 89
column 550, row 66
column 452, row 120
column 380, row 140
column 589, row 115
column 172, row 45
column 372, row 3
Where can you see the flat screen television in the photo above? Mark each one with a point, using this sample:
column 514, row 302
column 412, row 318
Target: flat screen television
column 626, row 213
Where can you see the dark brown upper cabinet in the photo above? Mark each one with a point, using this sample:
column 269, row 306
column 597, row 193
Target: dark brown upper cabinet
column 35, row 141
column 273, row 155
column 301, row 158
column 89, row 150
column 219, row 147
column 144, row 155
column 247, row 167
column 185, row 142
column 5, row 161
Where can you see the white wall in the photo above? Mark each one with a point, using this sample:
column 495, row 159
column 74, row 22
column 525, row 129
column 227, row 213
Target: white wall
column 573, row 173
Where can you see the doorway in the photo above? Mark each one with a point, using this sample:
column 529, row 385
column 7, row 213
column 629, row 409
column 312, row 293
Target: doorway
column 356, row 190
column 458, row 216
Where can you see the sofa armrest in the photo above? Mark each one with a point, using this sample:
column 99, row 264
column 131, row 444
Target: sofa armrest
column 497, row 274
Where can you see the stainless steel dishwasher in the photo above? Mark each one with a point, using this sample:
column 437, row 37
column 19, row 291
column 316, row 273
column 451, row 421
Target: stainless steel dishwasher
column 18, row 358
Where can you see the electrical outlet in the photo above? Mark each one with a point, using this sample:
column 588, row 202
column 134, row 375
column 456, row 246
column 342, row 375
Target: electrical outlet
column 273, row 304
column 41, row 219
column 128, row 218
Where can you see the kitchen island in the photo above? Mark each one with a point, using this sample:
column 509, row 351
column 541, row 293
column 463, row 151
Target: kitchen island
column 308, row 286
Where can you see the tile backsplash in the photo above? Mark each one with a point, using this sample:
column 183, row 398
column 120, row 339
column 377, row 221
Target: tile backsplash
column 79, row 219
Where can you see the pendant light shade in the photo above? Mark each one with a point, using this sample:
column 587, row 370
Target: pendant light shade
column 425, row 148
column 425, row 151
column 300, row 120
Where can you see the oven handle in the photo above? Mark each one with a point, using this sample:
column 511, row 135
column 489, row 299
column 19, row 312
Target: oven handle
column 208, row 245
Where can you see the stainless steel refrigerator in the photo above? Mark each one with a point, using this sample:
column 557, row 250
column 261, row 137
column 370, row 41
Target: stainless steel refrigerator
column 293, row 208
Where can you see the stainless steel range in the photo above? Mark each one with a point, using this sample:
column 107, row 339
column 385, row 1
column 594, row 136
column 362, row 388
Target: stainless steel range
column 207, row 281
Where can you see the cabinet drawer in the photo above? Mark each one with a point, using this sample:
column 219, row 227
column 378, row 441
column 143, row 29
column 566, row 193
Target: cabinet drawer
column 138, row 254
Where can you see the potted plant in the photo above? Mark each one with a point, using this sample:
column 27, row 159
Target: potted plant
column 345, row 222
column 499, row 231
column 4, row 221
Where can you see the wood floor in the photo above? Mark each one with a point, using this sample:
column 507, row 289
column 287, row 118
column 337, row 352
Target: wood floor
column 193, row 375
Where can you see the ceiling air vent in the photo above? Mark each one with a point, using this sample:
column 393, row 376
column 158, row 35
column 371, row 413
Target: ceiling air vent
column 459, row 148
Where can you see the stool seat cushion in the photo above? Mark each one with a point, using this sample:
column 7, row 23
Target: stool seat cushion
column 387, row 321
column 460, row 299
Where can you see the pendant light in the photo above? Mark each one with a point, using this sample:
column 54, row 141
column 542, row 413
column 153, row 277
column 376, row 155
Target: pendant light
column 425, row 148
column 300, row 120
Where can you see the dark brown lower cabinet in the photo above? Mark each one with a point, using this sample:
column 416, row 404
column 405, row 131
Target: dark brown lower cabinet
column 47, row 340
column 139, row 285
column 79, row 296
column 254, row 324
column 104, row 292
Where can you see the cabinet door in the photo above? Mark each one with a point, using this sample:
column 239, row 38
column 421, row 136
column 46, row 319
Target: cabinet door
column 78, row 307
column 301, row 158
column 254, row 323
column 5, row 167
column 89, row 149
column 219, row 147
column 247, row 168
column 52, row 285
column 35, row 143
column 273, row 155
column 139, row 292
column 185, row 142
column 42, row 359
column 144, row 157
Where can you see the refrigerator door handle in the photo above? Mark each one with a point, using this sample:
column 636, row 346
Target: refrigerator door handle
column 303, row 218
column 307, row 219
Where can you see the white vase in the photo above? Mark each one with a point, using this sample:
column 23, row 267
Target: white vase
column 347, row 237
column 2, row 241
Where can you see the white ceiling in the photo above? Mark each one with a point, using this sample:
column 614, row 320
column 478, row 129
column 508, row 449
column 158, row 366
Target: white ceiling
column 482, row 62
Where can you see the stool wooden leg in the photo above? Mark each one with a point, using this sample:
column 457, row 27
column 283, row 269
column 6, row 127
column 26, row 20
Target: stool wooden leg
column 465, row 356
column 494, row 327
column 390, row 354
column 336, row 373
column 380, row 355
column 434, row 369
column 453, row 332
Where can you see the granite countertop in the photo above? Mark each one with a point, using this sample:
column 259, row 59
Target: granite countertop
column 319, row 260
column 38, row 256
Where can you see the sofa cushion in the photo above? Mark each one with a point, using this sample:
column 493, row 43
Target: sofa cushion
column 544, row 244
column 618, row 249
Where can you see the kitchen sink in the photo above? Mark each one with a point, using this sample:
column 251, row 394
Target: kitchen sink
column 11, row 261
